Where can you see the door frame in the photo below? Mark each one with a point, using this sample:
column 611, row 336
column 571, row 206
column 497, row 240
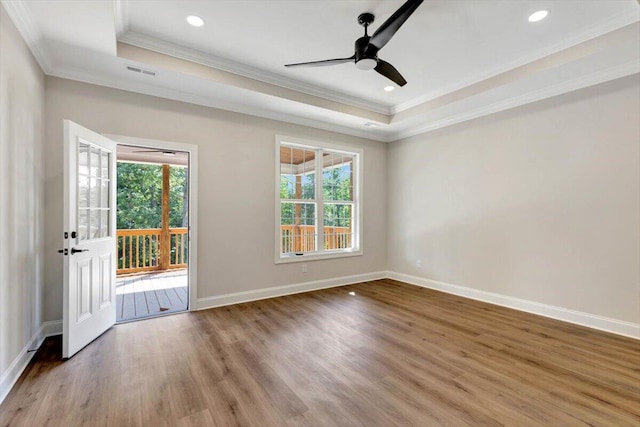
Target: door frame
column 192, row 149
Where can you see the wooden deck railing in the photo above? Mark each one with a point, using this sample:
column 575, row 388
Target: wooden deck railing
column 301, row 238
column 141, row 250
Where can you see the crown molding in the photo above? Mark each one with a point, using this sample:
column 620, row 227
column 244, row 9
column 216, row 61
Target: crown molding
column 29, row 31
column 121, row 17
column 614, row 23
column 611, row 73
column 167, row 48
column 20, row 15
column 206, row 101
column 622, row 70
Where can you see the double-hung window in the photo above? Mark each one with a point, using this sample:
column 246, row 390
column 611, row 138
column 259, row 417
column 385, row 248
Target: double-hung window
column 318, row 207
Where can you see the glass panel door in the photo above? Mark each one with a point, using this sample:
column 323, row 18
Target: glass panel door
column 93, row 192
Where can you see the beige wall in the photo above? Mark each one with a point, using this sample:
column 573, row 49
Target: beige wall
column 21, row 195
column 236, row 191
column 541, row 202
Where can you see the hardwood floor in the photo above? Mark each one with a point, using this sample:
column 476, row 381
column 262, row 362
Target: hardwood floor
column 391, row 354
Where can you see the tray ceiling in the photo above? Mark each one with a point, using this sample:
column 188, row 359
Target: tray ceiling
column 462, row 59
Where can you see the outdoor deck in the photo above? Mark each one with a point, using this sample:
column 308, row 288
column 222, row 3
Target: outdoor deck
column 151, row 294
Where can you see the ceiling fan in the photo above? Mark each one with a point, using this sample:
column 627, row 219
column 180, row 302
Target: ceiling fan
column 367, row 47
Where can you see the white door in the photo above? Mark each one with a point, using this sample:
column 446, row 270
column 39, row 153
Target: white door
column 89, row 227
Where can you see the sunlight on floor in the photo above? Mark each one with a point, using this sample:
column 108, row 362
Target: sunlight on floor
column 151, row 282
column 151, row 295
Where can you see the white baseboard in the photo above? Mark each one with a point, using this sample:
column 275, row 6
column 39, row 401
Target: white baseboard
column 278, row 291
column 628, row 329
column 52, row 328
column 11, row 375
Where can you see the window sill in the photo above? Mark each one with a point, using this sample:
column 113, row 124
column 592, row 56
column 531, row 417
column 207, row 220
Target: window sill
column 315, row 257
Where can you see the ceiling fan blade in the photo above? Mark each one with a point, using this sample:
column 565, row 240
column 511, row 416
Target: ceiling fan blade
column 323, row 63
column 389, row 27
column 390, row 72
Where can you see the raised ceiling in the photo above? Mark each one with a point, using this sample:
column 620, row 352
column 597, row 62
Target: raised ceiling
column 462, row 59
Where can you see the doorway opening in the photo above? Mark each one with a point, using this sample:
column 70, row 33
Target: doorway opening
column 152, row 232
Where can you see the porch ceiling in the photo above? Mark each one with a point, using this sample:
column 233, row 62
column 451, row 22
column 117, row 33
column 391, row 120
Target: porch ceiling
column 128, row 153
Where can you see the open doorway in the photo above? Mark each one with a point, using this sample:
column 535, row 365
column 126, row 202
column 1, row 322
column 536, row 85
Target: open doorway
column 152, row 232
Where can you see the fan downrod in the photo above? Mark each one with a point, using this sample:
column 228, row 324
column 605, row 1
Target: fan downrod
column 366, row 19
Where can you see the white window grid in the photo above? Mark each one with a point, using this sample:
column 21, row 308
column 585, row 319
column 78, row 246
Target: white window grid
column 324, row 198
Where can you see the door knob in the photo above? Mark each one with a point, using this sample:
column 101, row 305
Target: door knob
column 74, row 250
column 63, row 251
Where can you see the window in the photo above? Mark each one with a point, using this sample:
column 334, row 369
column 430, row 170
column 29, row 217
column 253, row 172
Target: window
column 93, row 192
column 317, row 207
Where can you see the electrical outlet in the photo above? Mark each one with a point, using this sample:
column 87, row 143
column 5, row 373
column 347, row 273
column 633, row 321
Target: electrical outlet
column 304, row 268
column 418, row 264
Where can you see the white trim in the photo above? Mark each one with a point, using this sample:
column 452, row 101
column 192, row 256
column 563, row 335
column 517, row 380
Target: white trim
column 607, row 324
column 627, row 329
column 29, row 31
column 121, row 17
column 357, row 202
column 23, row 20
column 612, row 73
column 278, row 291
column 192, row 149
column 19, row 364
column 207, row 101
column 614, row 23
column 51, row 328
column 389, row 136
column 151, row 43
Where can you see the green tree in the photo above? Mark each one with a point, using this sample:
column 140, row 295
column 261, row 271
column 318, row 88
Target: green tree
column 336, row 186
column 178, row 197
column 139, row 196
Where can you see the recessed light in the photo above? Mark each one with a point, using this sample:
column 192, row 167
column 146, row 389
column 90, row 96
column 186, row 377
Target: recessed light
column 538, row 16
column 371, row 125
column 194, row 20
column 389, row 88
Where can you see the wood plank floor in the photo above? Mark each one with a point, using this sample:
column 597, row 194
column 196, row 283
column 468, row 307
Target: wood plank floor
column 390, row 354
column 151, row 294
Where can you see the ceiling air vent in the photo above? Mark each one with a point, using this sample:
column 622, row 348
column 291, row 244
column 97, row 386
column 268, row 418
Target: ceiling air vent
column 141, row 70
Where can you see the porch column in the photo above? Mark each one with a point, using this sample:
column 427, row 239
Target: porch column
column 297, row 230
column 165, row 236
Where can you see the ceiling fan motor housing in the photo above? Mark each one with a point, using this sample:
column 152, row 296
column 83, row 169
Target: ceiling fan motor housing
column 366, row 57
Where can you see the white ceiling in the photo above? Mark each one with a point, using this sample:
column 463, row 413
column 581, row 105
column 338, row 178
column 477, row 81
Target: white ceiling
column 462, row 59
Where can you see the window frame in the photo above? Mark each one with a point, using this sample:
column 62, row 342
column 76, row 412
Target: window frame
column 357, row 202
